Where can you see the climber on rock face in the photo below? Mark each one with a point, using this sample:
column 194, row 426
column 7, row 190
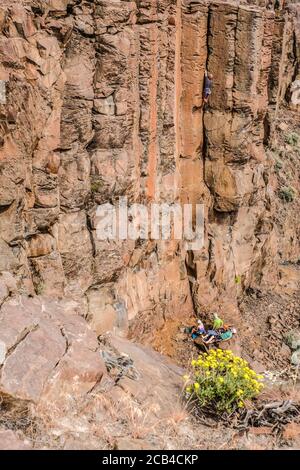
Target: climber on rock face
column 207, row 86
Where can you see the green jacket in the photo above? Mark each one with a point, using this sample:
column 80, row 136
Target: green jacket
column 218, row 323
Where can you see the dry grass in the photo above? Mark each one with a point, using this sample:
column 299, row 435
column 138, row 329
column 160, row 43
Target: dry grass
column 15, row 414
column 178, row 416
column 292, row 431
column 128, row 417
column 18, row 416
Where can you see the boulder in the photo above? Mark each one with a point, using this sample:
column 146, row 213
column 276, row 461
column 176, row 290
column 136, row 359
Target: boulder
column 27, row 368
column 295, row 359
column 76, row 375
column 46, row 348
column 292, row 339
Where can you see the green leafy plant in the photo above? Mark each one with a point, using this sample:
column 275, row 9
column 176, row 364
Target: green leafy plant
column 222, row 381
column 40, row 287
column 96, row 186
column 278, row 165
column 287, row 194
column 292, row 139
column 238, row 279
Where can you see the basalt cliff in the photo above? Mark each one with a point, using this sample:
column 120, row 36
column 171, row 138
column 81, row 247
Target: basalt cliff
column 102, row 100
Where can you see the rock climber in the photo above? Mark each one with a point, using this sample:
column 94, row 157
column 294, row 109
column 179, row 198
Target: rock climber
column 207, row 86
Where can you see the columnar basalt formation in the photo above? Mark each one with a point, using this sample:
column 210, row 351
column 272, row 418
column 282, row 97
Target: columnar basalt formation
column 104, row 100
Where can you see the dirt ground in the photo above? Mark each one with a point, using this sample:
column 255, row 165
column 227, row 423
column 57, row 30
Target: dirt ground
column 266, row 320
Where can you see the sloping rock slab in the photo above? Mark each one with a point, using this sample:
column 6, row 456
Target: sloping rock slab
column 46, row 347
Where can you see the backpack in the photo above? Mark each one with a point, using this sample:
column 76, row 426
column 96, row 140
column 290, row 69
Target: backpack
column 226, row 335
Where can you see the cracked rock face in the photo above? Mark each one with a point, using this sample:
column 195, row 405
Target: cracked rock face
column 46, row 347
column 103, row 100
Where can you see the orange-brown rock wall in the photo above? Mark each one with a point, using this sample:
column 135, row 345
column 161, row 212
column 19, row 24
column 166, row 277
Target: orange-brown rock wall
column 103, row 100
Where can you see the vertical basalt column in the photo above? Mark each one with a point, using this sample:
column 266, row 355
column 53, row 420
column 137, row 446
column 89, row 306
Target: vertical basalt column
column 288, row 64
column 193, row 64
column 239, row 57
column 168, row 60
column 156, row 28
column 279, row 26
column 178, row 90
column 218, row 117
column 151, row 35
column 221, row 59
column 115, row 151
column 283, row 57
column 265, row 59
column 247, row 60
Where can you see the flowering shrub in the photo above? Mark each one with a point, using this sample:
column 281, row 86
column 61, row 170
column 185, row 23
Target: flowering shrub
column 222, row 381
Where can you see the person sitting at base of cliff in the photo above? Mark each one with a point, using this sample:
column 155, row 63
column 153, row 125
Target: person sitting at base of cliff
column 218, row 336
column 218, row 322
column 207, row 86
column 211, row 336
column 199, row 330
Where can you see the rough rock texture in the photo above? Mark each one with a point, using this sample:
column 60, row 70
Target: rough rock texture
column 242, row 53
column 46, row 347
column 56, row 391
column 89, row 117
column 104, row 99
